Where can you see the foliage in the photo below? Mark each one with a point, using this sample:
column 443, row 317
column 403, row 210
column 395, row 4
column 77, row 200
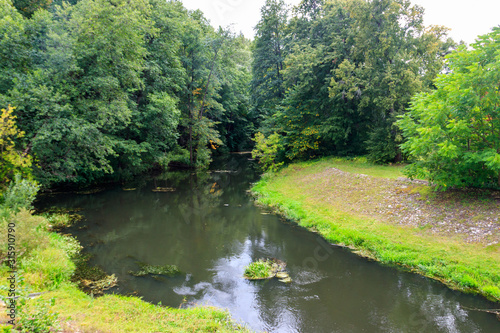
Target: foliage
column 258, row 270
column 20, row 195
column 44, row 257
column 392, row 47
column 268, row 59
column 267, row 151
column 28, row 7
column 453, row 133
column 107, row 90
column 14, row 45
column 39, row 319
column 383, row 144
column 332, row 52
column 147, row 269
column 236, row 124
column 34, row 316
column 11, row 160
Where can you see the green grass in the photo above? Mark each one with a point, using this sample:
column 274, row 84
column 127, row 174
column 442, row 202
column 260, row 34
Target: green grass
column 358, row 165
column 258, row 270
column 112, row 313
column 471, row 268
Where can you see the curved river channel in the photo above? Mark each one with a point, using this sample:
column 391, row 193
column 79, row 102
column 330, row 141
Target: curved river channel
column 210, row 228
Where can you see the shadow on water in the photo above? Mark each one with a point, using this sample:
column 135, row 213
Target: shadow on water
column 208, row 226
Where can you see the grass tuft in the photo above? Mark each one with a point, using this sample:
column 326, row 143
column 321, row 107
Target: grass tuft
column 258, row 270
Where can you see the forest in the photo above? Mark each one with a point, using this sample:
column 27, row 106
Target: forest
column 99, row 90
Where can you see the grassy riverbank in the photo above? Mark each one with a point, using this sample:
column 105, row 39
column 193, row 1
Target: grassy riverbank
column 46, row 263
column 452, row 237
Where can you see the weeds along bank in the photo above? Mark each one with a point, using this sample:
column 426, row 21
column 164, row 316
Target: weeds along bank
column 46, row 263
column 452, row 237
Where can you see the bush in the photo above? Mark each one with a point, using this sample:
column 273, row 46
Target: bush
column 20, row 194
column 266, row 150
column 258, row 270
column 453, row 133
column 383, row 145
column 39, row 318
column 12, row 160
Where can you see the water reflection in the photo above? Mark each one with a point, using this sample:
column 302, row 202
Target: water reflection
column 211, row 230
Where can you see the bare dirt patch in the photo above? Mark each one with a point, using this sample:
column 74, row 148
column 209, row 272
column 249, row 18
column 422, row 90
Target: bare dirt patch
column 471, row 214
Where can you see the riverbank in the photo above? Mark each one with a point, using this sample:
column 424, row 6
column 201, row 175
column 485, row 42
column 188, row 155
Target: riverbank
column 46, row 263
column 453, row 237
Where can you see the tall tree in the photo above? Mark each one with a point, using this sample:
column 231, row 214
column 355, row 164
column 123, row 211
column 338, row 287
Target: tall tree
column 76, row 101
column 202, row 52
column 385, row 67
column 268, row 58
column 109, row 89
column 312, row 123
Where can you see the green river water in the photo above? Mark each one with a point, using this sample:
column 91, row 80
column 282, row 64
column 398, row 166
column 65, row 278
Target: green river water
column 210, row 228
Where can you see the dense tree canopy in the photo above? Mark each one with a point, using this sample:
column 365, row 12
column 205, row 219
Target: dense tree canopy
column 107, row 89
column 350, row 68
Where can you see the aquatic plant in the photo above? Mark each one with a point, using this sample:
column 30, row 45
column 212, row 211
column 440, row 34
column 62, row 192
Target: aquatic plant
column 146, row 269
column 258, row 270
column 92, row 279
column 265, row 269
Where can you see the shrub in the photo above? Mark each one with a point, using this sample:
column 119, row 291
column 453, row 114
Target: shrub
column 39, row 318
column 34, row 316
column 266, row 150
column 45, row 257
column 12, row 161
column 20, row 194
column 453, row 132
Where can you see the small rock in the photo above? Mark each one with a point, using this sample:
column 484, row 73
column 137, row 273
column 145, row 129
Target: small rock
column 287, row 280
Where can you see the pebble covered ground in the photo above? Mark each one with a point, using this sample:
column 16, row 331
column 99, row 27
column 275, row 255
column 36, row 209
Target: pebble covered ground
column 471, row 214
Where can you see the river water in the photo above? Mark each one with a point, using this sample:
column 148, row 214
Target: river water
column 210, row 228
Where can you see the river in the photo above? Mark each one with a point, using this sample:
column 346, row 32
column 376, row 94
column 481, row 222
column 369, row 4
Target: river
column 207, row 225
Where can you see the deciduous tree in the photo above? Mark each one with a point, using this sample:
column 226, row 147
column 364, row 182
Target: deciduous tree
column 453, row 133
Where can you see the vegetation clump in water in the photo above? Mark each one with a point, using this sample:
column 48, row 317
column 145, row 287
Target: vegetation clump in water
column 92, row 279
column 266, row 269
column 146, row 269
column 61, row 218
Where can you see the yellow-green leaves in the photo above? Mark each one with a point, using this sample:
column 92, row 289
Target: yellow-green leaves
column 454, row 132
column 267, row 149
column 11, row 160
